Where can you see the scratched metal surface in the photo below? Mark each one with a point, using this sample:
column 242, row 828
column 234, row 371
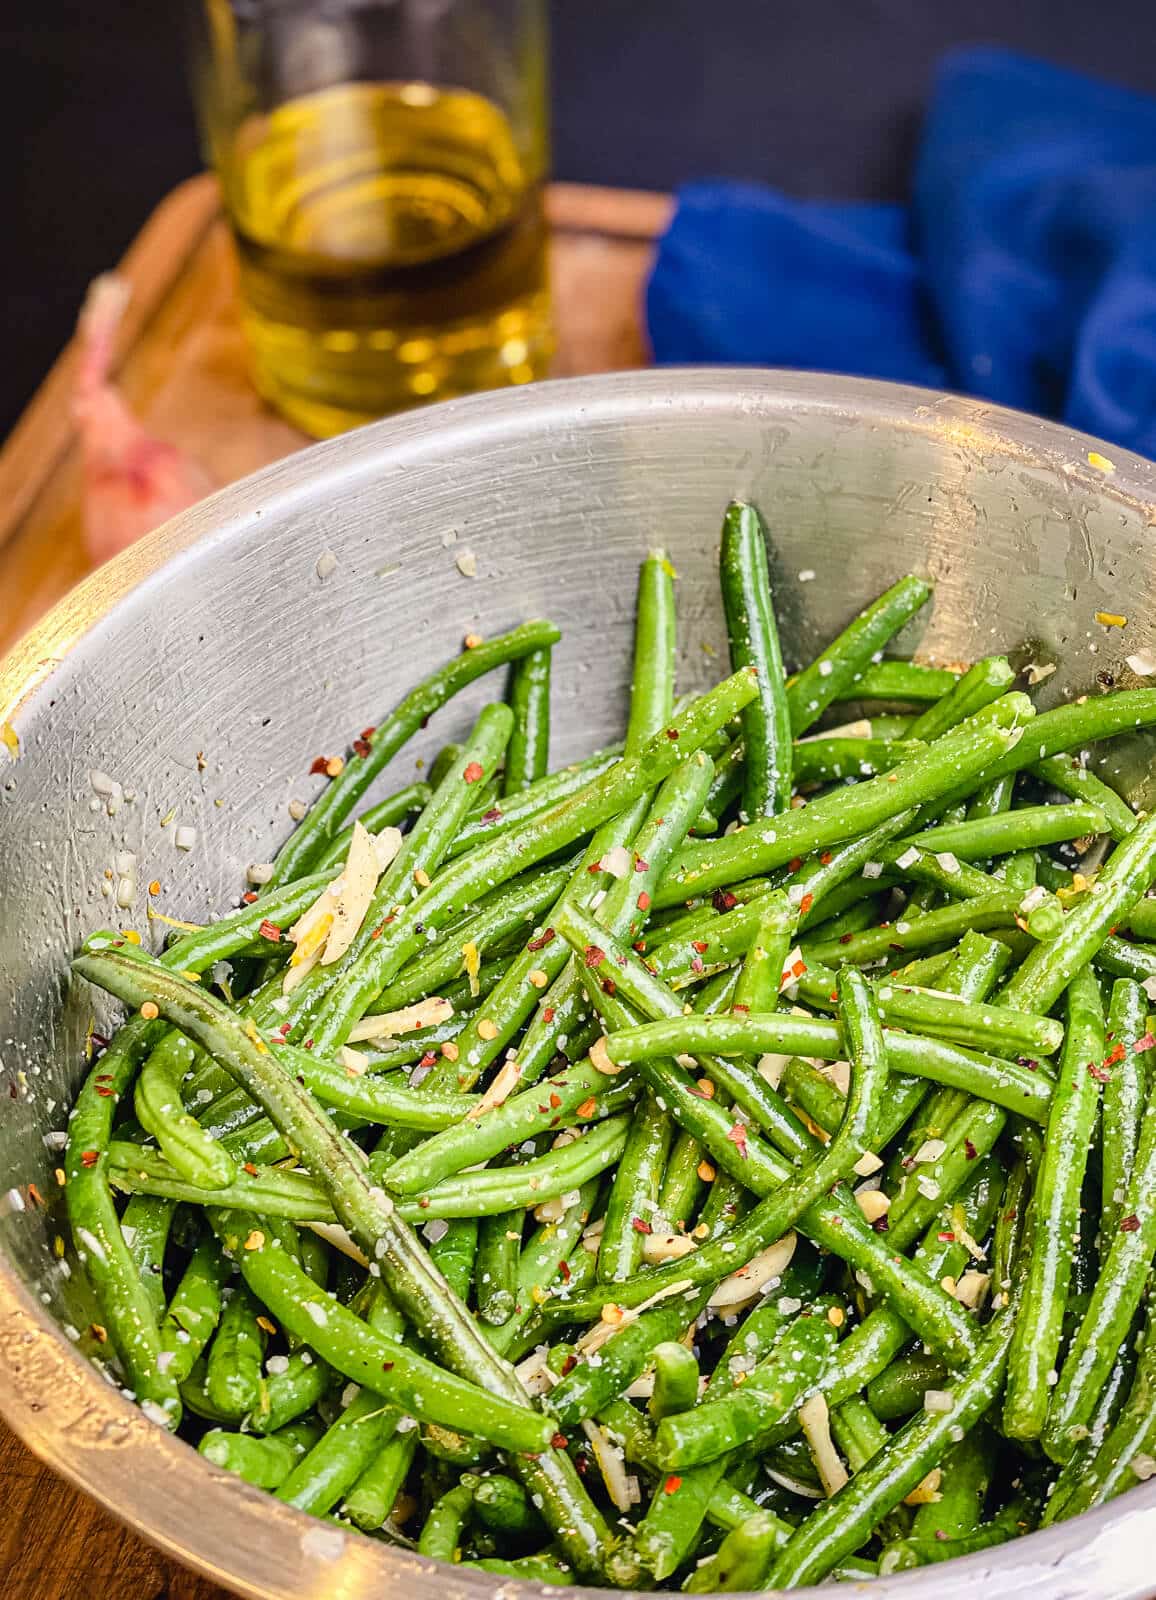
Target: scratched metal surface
column 207, row 667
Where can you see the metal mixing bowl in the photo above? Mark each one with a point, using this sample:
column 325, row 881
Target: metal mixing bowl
column 206, row 668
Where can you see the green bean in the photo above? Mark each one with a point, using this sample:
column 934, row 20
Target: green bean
column 544, row 1262
column 263, row 1462
column 145, row 1225
column 292, row 1391
column 233, row 1364
column 991, row 798
column 502, row 1189
column 1076, row 781
column 125, row 1304
column 841, row 1524
column 327, row 1472
column 545, row 1569
column 575, row 1096
column 1051, row 966
column 907, row 1553
column 371, row 1500
column 971, row 1134
column 978, row 687
column 325, row 817
column 942, row 926
column 818, row 760
column 676, row 1380
column 193, row 1312
column 503, row 1505
column 967, row 1474
column 157, row 1102
column 844, row 813
column 900, row 680
column 681, row 1183
column 496, row 1279
column 1115, row 1300
column 528, row 756
column 1028, row 828
column 754, row 642
column 445, row 1525
column 726, row 785
column 743, row 1559
column 592, row 1384
column 899, row 1389
column 1007, row 1083
column 860, row 1436
column 772, row 1392
column 990, row 1028
column 836, row 673
column 454, row 1254
column 634, row 1192
column 1069, row 727
column 1123, row 1099
column 373, row 1097
column 976, row 967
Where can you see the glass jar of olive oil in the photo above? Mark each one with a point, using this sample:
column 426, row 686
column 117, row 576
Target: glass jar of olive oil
column 382, row 166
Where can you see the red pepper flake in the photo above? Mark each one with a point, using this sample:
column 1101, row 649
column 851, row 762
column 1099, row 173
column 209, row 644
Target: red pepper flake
column 429, row 1059
column 701, row 945
column 593, row 956
column 547, row 1013
column 472, row 772
column 1148, row 1042
column 946, row 1238
column 1117, row 1053
column 640, row 1226
column 270, row 930
column 640, row 865
column 672, row 1484
column 248, row 898
column 1101, row 1074
column 805, row 904
column 547, row 936
column 644, row 901
column 308, row 1044
column 969, row 1150
column 696, row 964
column 89, row 1158
column 845, row 938
column 796, row 969
column 250, row 1169
column 318, row 766
column 361, row 747
column 555, row 1101
column 639, row 945
column 492, row 815
column 34, row 1195
column 595, row 867
column 794, row 863
column 559, row 1441
column 672, row 733
column 740, row 1009
column 1130, row 1224
column 102, row 1090
column 609, row 986
column 738, row 1137
column 570, row 1362
column 724, row 900
column 387, row 1366
column 825, row 858
column 881, row 1224
column 564, row 1271
column 588, row 1107
column 368, row 733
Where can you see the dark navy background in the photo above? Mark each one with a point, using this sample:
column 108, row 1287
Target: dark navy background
column 821, row 98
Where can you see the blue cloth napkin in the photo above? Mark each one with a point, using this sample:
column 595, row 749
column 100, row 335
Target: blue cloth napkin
column 1023, row 270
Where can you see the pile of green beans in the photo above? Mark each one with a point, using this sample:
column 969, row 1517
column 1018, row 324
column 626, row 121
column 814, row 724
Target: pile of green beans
column 726, row 1163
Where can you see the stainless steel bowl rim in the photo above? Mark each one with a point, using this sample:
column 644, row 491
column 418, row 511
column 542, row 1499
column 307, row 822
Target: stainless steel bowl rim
column 85, row 1429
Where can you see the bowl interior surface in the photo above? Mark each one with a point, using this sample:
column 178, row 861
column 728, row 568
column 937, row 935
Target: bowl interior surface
column 207, row 668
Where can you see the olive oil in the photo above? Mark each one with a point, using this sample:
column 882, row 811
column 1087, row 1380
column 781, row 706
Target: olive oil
column 392, row 251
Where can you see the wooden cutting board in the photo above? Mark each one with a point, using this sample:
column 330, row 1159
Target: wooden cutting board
column 181, row 365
